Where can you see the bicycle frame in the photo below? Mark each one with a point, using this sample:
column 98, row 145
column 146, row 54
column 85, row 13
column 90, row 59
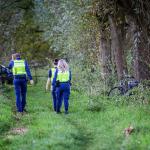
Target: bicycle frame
column 125, row 85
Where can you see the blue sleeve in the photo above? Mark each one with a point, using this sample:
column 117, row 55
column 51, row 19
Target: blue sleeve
column 11, row 64
column 70, row 76
column 28, row 70
column 50, row 73
column 55, row 77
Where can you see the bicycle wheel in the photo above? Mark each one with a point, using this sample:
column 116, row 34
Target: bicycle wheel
column 115, row 91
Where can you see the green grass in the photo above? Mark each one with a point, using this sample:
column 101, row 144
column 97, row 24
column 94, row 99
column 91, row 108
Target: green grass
column 86, row 127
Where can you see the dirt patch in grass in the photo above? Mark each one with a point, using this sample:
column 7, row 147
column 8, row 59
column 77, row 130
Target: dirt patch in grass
column 19, row 131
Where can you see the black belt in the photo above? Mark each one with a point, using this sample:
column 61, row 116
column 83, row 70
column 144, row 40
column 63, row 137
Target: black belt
column 65, row 82
column 20, row 76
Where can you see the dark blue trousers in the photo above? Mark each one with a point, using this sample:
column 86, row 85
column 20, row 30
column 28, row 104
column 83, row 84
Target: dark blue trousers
column 53, row 92
column 63, row 93
column 20, row 92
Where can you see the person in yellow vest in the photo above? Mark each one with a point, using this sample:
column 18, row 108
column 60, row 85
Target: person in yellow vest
column 62, row 81
column 49, row 82
column 20, row 70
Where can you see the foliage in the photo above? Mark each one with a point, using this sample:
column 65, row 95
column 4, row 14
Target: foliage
column 42, row 30
column 82, row 128
column 6, row 105
column 5, row 114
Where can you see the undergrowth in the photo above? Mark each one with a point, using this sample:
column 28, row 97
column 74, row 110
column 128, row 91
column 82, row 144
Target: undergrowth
column 94, row 122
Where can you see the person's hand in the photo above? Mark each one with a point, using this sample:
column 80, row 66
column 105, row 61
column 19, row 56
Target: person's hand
column 51, row 88
column 13, row 56
column 47, row 85
column 47, row 88
column 31, row 82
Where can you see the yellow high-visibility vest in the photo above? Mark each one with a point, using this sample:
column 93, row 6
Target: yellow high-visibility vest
column 19, row 67
column 63, row 76
column 53, row 71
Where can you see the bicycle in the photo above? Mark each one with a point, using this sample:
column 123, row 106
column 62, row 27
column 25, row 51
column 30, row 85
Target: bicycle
column 124, row 86
column 6, row 76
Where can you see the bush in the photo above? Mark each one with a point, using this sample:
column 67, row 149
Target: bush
column 5, row 114
column 97, row 103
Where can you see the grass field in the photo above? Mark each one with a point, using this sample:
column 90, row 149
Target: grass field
column 100, row 127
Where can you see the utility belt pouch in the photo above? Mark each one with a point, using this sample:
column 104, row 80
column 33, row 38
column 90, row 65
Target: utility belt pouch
column 57, row 83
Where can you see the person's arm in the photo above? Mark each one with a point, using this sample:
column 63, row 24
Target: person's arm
column 28, row 72
column 48, row 80
column 48, row 84
column 11, row 64
column 13, row 56
column 70, row 76
column 55, row 78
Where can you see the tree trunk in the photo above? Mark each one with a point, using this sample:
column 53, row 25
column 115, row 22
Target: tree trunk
column 105, row 55
column 141, row 54
column 116, row 47
column 123, row 44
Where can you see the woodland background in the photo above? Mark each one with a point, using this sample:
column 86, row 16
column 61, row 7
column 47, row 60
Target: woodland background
column 103, row 41
column 102, row 38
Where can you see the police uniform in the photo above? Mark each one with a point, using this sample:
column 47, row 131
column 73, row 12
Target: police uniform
column 20, row 69
column 53, row 91
column 62, row 83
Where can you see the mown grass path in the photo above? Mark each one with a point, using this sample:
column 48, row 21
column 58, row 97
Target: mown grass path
column 43, row 129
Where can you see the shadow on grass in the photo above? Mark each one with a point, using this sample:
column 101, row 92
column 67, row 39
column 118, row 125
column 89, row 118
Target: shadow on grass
column 82, row 138
column 141, row 130
column 60, row 145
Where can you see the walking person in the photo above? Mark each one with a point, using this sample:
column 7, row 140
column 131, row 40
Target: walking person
column 61, row 81
column 20, row 70
column 49, row 82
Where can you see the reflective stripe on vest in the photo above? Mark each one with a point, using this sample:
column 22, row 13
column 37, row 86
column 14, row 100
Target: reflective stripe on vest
column 63, row 76
column 53, row 71
column 19, row 67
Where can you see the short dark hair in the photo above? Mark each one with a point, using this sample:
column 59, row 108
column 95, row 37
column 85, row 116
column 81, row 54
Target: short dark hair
column 17, row 55
column 56, row 61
